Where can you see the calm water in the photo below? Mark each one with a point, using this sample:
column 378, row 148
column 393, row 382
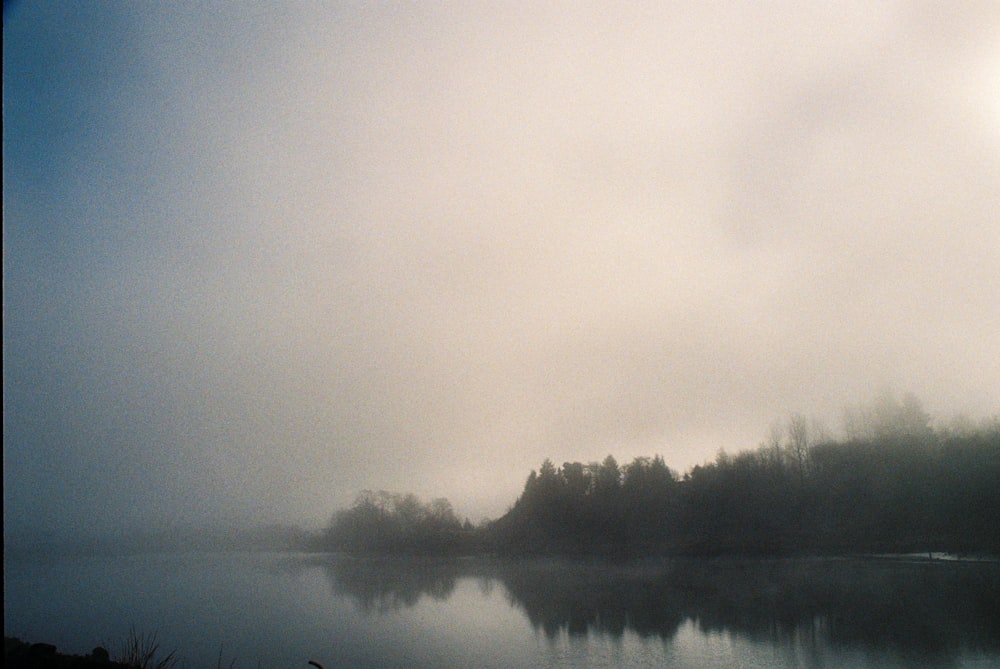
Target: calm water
column 280, row 610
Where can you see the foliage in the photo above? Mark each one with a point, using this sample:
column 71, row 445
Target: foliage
column 139, row 651
column 386, row 522
column 906, row 490
column 894, row 484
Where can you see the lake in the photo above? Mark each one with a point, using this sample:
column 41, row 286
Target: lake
column 281, row 610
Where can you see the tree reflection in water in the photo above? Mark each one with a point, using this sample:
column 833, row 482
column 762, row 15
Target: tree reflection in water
column 909, row 607
column 381, row 585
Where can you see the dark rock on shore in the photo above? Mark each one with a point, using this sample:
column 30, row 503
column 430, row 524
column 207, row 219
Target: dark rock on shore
column 18, row 654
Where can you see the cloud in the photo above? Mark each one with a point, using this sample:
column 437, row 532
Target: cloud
column 302, row 253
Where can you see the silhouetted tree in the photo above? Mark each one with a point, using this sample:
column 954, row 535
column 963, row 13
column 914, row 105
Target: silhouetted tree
column 609, row 477
column 902, row 487
column 394, row 523
column 910, row 489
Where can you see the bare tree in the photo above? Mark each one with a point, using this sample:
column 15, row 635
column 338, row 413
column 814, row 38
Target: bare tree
column 798, row 443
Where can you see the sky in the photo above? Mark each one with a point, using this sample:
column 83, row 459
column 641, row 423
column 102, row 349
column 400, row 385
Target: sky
column 260, row 257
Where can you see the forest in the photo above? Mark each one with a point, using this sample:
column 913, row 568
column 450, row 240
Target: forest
column 893, row 484
column 393, row 523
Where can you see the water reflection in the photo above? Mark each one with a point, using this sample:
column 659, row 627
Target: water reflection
column 927, row 610
column 384, row 585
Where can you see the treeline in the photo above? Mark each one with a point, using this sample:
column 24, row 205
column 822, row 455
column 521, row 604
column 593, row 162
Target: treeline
column 893, row 484
column 895, row 492
column 385, row 522
column 592, row 508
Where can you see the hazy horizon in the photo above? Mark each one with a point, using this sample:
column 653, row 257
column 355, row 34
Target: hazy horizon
column 259, row 258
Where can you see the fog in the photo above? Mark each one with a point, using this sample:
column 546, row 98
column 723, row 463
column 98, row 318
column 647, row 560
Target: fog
column 257, row 259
